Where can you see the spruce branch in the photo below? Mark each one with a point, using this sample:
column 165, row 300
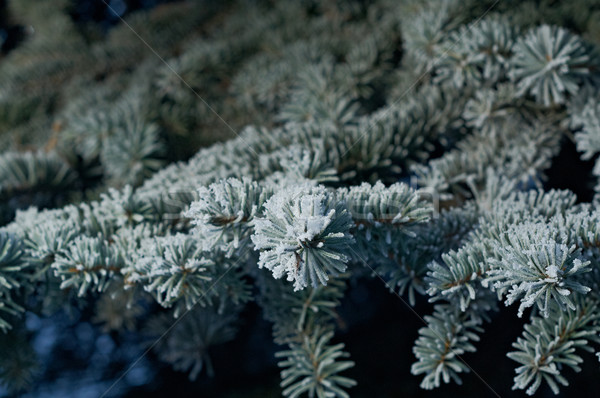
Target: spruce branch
column 295, row 313
column 550, row 63
column 459, row 276
column 536, row 265
column 312, row 367
column 225, row 211
column 449, row 334
column 304, row 234
column 186, row 346
column 428, row 242
column 172, row 268
column 32, row 179
column 87, row 263
column 477, row 55
column 549, row 344
column 383, row 215
column 12, row 265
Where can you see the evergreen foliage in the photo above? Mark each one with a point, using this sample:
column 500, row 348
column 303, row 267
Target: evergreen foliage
column 166, row 171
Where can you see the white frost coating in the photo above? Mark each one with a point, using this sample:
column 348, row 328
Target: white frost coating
column 303, row 235
column 170, row 266
column 224, row 212
column 378, row 204
column 536, row 266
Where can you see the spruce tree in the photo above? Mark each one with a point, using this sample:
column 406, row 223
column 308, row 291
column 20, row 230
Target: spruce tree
column 163, row 170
